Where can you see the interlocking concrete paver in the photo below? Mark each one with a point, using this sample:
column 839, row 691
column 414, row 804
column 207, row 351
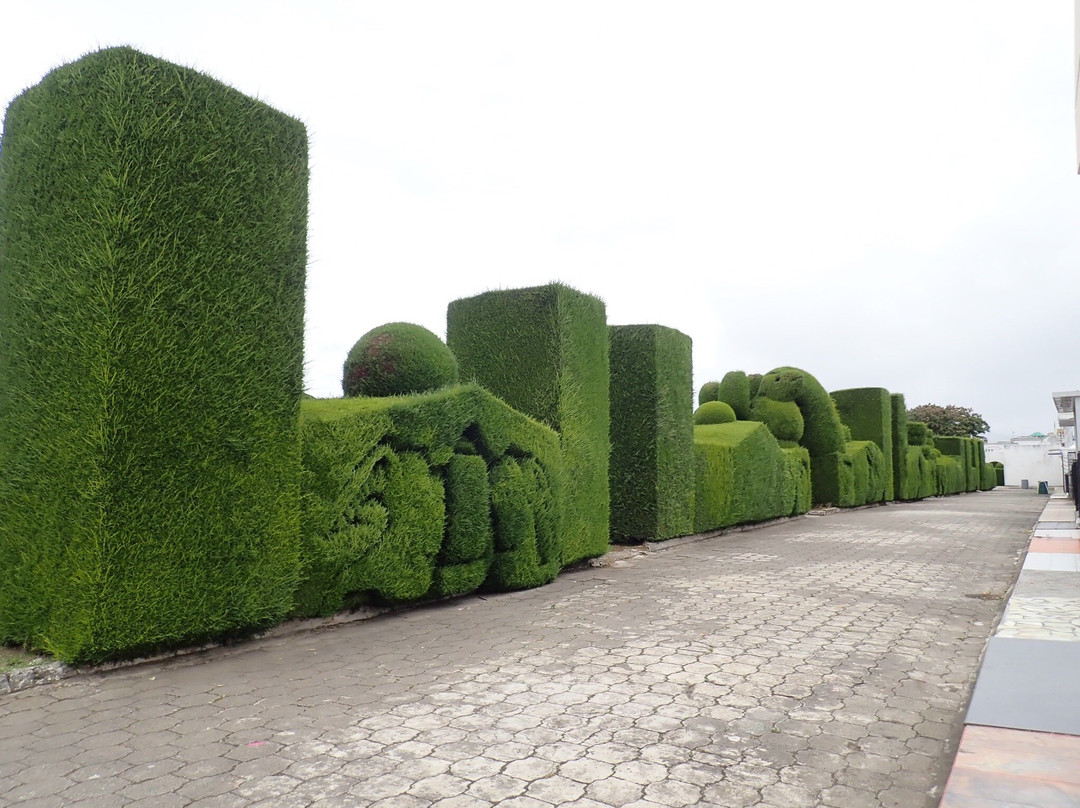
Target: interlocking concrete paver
column 821, row 661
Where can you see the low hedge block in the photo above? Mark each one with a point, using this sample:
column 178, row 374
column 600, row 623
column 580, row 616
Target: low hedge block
column 742, row 475
column 652, row 434
column 869, row 472
column 989, row 477
column 999, row 472
column 545, row 352
column 797, row 475
column 714, row 412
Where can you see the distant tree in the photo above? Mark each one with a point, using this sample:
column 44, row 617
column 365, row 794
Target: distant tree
column 950, row 420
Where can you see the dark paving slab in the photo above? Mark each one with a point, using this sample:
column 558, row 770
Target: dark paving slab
column 819, row 662
column 1055, row 525
column 1028, row 684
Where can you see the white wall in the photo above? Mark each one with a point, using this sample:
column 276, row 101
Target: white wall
column 1024, row 461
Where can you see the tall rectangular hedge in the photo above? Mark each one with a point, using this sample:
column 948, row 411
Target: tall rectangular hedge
column 903, row 488
column 152, row 260
column 544, row 351
column 652, row 433
column 868, row 413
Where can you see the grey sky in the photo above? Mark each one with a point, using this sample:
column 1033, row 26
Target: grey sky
column 882, row 193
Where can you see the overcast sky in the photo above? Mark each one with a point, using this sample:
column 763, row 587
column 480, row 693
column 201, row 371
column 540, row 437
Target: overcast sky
column 882, row 193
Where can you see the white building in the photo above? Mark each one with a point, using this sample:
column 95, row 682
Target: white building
column 1035, row 458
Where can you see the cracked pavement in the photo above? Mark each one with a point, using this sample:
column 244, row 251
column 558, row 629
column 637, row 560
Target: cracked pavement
column 822, row 661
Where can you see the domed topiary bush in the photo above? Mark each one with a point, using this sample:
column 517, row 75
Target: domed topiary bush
column 714, row 412
column 398, row 359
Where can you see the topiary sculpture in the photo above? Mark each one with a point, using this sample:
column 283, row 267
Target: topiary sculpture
column 714, row 412
column 398, row 359
column 781, row 417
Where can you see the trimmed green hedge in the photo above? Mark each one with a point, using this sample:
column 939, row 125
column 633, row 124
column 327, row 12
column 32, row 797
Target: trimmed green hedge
column 742, row 475
column 544, row 351
column 868, row 413
column 781, row 417
column 823, row 435
column 380, row 475
column 869, row 470
column 918, row 434
column 714, row 412
column 652, row 433
column 734, row 390
column 999, row 472
column 152, row 251
column 398, row 359
column 903, row 488
column 708, row 392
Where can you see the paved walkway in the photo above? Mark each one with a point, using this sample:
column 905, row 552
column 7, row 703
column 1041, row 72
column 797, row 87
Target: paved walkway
column 824, row 661
column 1021, row 745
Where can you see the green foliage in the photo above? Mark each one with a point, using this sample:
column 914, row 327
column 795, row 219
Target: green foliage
column 950, row 420
column 526, row 541
column 999, row 472
column 754, row 381
column 469, row 544
column 544, row 351
column 781, row 417
column 823, row 435
column 966, row 453
column 366, row 492
column 869, row 470
column 734, row 388
column 708, row 392
column 868, row 413
column 797, row 476
column 652, row 435
column 742, row 475
column 714, row 412
column 152, row 251
column 398, row 359
column 918, row 434
column 901, row 487
column 949, row 475
column 989, row 477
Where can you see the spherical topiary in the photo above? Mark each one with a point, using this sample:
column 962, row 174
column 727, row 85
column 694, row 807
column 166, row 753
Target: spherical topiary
column 397, row 359
column 714, row 412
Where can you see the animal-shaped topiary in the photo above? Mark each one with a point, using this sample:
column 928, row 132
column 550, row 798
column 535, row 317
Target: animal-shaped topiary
column 398, row 359
column 823, row 433
column 781, row 417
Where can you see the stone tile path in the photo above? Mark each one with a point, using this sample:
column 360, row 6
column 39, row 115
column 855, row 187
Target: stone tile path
column 818, row 662
column 1021, row 747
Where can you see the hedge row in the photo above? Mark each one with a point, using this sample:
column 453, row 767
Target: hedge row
column 152, row 250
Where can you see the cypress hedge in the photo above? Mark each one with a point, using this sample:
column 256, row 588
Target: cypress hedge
column 742, row 475
column 902, row 487
column 153, row 251
column 868, row 413
column 652, row 433
column 544, row 351
column 734, row 390
column 823, row 434
column 413, row 496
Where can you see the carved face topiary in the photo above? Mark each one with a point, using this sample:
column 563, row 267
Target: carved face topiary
column 714, row 412
column 398, row 359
